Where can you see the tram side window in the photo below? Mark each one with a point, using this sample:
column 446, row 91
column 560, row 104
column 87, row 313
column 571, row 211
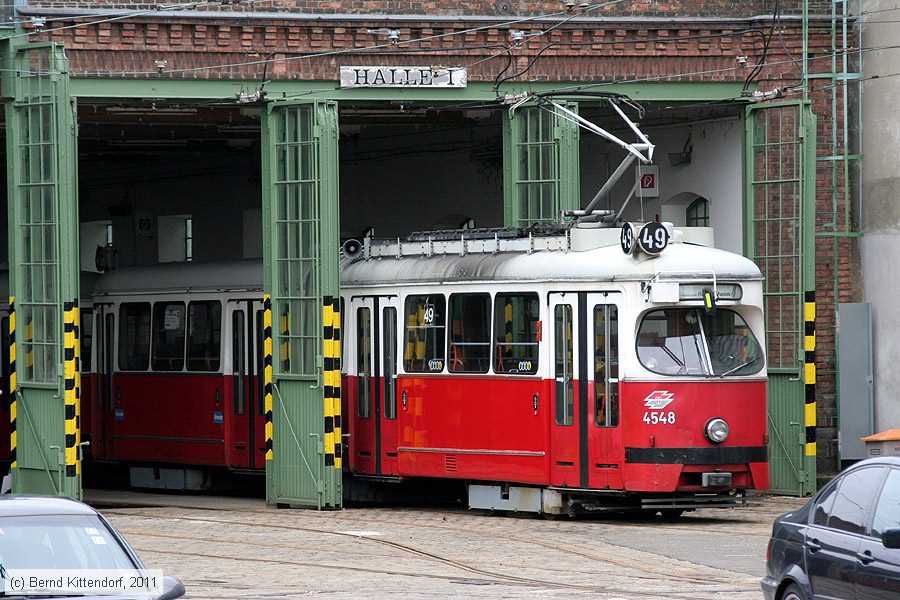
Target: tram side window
column 564, row 365
column 425, row 322
column 86, row 335
column 364, row 362
column 606, row 365
column 168, row 336
column 517, row 329
column 204, row 336
column 470, row 333
column 134, row 336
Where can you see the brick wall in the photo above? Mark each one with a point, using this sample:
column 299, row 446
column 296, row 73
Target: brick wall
column 501, row 8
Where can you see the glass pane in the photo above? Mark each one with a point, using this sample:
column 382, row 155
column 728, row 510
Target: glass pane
column 425, row 323
column 823, row 506
column 168, row 336
column 564, row 365
column 238, row 344
column 854, row 499
column 517, row 328
column 887, row 511
column 86, row 334
column 470, row 333
column 389, row 363
column 606, row 365
column 364, row 362
column 204, row 336
column 688, row 341
column 134, row 336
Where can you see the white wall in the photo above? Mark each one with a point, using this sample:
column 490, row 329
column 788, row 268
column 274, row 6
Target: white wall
column 880, row 245
column 715, row 173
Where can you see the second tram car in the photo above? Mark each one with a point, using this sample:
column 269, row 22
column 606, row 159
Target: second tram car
column 557, row 373
column 177, row 371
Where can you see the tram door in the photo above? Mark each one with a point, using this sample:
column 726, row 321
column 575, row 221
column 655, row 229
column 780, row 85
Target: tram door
column 102, row 398
column 245, row 427
column 372, row 402
column 585, row 439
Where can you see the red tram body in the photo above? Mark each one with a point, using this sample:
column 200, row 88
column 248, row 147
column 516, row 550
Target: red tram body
column 557, row 373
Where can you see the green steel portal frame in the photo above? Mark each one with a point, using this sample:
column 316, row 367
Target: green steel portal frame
column 43, row 258
column 300, row 216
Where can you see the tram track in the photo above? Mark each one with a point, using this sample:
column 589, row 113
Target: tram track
column 709, row 585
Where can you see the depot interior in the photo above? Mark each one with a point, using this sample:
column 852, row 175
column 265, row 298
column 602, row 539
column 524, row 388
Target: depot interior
column 171, row 181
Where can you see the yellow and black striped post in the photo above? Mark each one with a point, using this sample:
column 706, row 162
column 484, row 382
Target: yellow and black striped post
column 328, row 377
column 78, row 389
column 285, row 339
column 267, row 372
column 13, row 441
column 809, row 346
column 336, row 380
column 70, row 341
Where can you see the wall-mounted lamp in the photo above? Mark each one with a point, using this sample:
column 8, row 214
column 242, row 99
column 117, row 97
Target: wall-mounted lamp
column 516, row 36
column 38, row 22
column 741, row 60
column 160, row 65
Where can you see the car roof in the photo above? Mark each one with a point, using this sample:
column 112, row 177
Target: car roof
column 878, row 460
column 20, row 506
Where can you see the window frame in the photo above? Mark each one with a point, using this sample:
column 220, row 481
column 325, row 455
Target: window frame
column 449, row 334
column 869, row 509
column 187, row 338
column 120, row 324
column 154, row 341
column 534, row 300
column 435, row 364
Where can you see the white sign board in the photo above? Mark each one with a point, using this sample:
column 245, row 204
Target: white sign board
column 647, row 177
column 415, row 77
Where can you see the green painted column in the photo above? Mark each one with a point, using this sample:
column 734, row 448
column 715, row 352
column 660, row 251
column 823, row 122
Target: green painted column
column 301, row 242
column 43, row 257
column 540, row 166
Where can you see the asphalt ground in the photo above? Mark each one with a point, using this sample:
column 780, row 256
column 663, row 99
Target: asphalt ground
column 223, row 547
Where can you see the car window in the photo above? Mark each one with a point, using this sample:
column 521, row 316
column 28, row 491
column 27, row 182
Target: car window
column 887, row 511
column 854, row 499
column 823, row 506
column 59, row 542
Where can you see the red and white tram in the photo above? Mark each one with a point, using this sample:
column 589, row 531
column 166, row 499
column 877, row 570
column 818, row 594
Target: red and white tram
column 550, row 372
column 557, row 373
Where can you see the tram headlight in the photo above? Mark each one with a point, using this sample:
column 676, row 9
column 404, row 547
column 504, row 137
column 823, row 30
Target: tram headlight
column 716, row 430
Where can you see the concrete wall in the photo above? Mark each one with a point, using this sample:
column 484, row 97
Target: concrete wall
column 880, row 245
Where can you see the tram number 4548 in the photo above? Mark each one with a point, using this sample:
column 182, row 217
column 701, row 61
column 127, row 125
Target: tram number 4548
column 659, row 418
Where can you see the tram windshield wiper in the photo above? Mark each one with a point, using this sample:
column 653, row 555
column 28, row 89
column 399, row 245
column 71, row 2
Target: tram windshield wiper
column 741, row 366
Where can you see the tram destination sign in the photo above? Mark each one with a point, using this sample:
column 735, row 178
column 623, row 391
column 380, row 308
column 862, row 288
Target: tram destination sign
column 404, row 77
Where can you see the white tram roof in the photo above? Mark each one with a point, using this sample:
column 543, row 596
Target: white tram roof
column 177, row 277
column 586, row 255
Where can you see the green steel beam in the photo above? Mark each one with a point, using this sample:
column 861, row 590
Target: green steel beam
column 43, row 270
column 179, row 89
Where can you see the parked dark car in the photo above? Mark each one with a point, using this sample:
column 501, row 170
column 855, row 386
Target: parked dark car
column 39, row 532
column 844, row 543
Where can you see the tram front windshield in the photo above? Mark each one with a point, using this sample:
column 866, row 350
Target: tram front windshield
column 688, row 341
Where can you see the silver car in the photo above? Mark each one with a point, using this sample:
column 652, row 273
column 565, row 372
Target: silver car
column 63, row 535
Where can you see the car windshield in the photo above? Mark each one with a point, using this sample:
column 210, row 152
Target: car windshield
column 687, row 341
column 60, row 542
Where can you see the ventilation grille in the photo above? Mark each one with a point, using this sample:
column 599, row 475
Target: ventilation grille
column 450, row 463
